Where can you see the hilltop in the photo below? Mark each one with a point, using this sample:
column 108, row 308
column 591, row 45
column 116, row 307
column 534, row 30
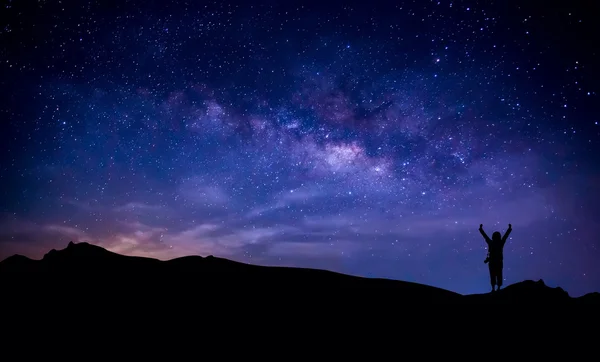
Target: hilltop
column 86, row 270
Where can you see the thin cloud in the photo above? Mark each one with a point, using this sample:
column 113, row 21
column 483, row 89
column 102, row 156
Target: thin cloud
column 67, row 231
column 139, row 207
column 286, row 198
column 197, row 191
column 339, row 248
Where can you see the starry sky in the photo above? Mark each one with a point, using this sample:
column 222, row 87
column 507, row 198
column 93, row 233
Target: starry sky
column 365, row 138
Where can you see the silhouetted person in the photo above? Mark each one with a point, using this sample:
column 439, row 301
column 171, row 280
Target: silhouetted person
column 495, row 257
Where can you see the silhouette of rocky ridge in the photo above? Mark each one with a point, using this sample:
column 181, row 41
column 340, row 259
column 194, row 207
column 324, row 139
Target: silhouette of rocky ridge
column 85, row 269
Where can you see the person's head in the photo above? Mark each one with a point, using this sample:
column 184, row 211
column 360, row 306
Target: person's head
column 496, row 236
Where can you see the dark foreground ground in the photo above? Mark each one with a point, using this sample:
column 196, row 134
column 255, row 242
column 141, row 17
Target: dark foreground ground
column 84, row 272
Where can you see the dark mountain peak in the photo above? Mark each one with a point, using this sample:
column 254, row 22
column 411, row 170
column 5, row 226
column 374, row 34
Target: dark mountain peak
column 16, row 259
column 525, row 291
column 79, row 253
column 539, row 286
column 16, row 263
column 196, row 263
column 590, row 298
column 50, row 254
column 85, row 246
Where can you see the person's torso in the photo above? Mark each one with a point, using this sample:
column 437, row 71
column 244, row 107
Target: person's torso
column 495, row 250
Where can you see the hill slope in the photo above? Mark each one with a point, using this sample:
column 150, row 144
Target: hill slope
column 87, row 270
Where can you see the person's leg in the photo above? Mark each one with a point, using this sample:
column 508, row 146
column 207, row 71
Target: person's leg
column 499, row 275
column 492, row 276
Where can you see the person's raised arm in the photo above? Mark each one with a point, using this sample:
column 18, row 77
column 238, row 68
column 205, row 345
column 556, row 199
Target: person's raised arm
column 506, row 234
column 487, row 239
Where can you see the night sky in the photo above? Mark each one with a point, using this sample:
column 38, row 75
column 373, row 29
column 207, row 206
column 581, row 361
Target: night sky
column 367, row 139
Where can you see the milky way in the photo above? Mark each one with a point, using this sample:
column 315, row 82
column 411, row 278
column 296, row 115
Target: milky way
column 361, row 139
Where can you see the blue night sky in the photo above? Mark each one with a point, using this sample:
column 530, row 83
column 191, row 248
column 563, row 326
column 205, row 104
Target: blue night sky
column 366, row 139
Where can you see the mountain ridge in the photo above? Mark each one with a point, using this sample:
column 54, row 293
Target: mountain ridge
column 62, row 270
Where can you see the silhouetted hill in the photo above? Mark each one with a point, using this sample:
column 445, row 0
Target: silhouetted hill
column 83, row 269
